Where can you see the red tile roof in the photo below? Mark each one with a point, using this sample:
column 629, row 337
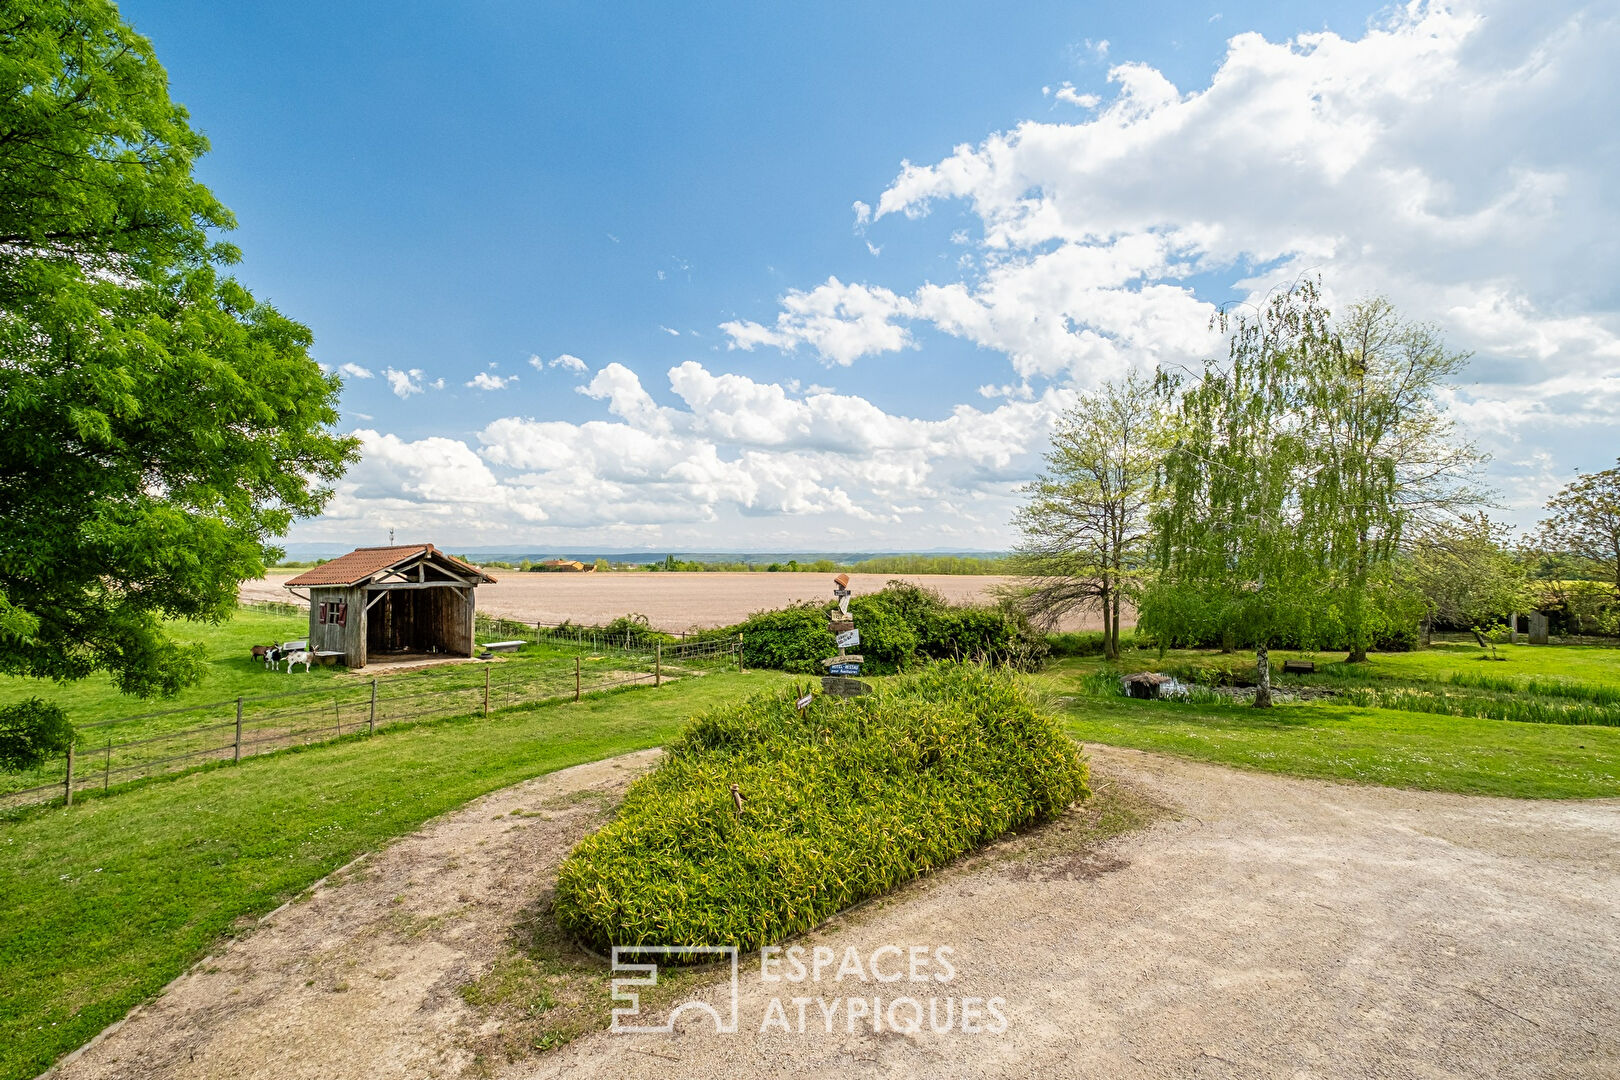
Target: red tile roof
column 362, row 564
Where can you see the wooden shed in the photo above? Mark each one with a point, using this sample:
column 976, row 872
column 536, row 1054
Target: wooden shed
column 391, row 602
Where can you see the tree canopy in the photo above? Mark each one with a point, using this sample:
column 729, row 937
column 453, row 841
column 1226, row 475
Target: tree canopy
column 1585, row 521
column 1237, row 553
column 1085, row 524
column 1463, row 572
column 1387, row 459
column 159, row 427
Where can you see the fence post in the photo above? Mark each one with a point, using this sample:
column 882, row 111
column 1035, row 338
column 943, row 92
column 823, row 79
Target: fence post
column 486, row 689
column 658, row 663
column 68, row 785
column 106, row 767
column 371, row 723
column 238, row 756
column 337, row 713
column 576, row 678
column 739, row 654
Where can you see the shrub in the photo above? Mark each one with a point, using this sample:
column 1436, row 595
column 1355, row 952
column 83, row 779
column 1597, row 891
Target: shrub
column 839, row 805
column 791, row 639
column 900, row 624
column 31, row 731
column 1080, row 643
column 888, row 638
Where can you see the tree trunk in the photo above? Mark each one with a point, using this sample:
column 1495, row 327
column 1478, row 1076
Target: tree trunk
column 1110, row 650
column 1358, row 608
column 1116, row 622
column 1262, row 669
column 1226, row 641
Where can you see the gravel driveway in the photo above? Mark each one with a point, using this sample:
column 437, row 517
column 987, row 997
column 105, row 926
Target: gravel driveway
column 1269, row 927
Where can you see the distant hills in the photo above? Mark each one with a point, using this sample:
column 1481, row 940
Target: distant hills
column 309, row 551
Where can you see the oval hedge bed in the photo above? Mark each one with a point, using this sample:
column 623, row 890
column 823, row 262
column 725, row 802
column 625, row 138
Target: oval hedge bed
column 841, row 804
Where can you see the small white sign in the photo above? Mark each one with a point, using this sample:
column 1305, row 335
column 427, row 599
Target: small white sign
column 802, row 703
column 848, row 639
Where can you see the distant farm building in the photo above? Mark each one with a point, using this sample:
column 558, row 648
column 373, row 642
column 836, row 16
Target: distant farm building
column 564, row 566
column 391, row 603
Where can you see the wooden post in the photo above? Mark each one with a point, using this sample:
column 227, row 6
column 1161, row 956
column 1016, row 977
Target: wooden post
column 371, row 722
column 739, row 654
column 68, row 784
column 658, row 663
column 106, row 767
column 576, row 678
column 238, row 756
column 337, row 712
column 486, row 688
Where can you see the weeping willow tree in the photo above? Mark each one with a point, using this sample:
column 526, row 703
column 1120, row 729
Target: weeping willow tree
column 1296, row 470
column 1238, row 557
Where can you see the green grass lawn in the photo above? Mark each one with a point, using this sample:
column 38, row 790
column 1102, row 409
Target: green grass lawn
column 1333, row 739
column 103, row 904
column 1375, row 746
column 318, row 696
column 230, row 670
column 1595, row 663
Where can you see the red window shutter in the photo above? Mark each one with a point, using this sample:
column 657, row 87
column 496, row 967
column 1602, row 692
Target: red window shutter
column 343, row 615
column 321, row 615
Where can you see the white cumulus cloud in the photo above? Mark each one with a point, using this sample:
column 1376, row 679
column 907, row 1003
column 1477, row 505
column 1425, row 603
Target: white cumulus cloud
column 406, row 383
column 486, row 381
column 1460, row 159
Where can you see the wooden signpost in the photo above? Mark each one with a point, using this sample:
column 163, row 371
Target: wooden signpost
column 839, row 680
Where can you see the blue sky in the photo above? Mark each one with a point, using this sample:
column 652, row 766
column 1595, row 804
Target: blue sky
column 449, row 190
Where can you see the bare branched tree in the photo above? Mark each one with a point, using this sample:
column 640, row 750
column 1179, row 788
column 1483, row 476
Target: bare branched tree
column 1085, row 532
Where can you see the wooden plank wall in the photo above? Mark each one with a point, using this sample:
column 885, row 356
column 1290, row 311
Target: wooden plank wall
column 349, row 639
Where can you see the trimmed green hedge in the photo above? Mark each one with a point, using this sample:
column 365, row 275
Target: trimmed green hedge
column 842, row 804
column 900, row 625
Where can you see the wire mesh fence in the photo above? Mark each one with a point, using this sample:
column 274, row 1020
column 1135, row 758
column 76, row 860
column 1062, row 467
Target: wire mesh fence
column 622, row 636
column 111, row 752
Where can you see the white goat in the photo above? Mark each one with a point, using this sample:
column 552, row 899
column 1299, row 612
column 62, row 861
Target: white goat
column 302, row 656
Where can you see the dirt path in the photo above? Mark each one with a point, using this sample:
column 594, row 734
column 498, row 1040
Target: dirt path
column 1272, row 928
column 362, row 977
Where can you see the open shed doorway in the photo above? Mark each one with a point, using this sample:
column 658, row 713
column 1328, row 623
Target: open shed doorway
column 402, row 623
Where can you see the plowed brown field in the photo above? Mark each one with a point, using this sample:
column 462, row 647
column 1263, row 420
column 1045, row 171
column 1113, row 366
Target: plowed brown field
column 681, row 601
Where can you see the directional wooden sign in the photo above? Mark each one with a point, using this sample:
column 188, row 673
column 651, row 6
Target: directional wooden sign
column 849, row 639
column 852, row 658
column 803, row 703
column 841, row 626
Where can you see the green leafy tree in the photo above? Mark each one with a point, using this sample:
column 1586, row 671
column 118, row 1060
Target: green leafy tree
column 1585, row 522
column 31, row 731
column 1237, row 555
column 1386, row 458
column 1085, row 524
column 1463, row 572
column 159, row 427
